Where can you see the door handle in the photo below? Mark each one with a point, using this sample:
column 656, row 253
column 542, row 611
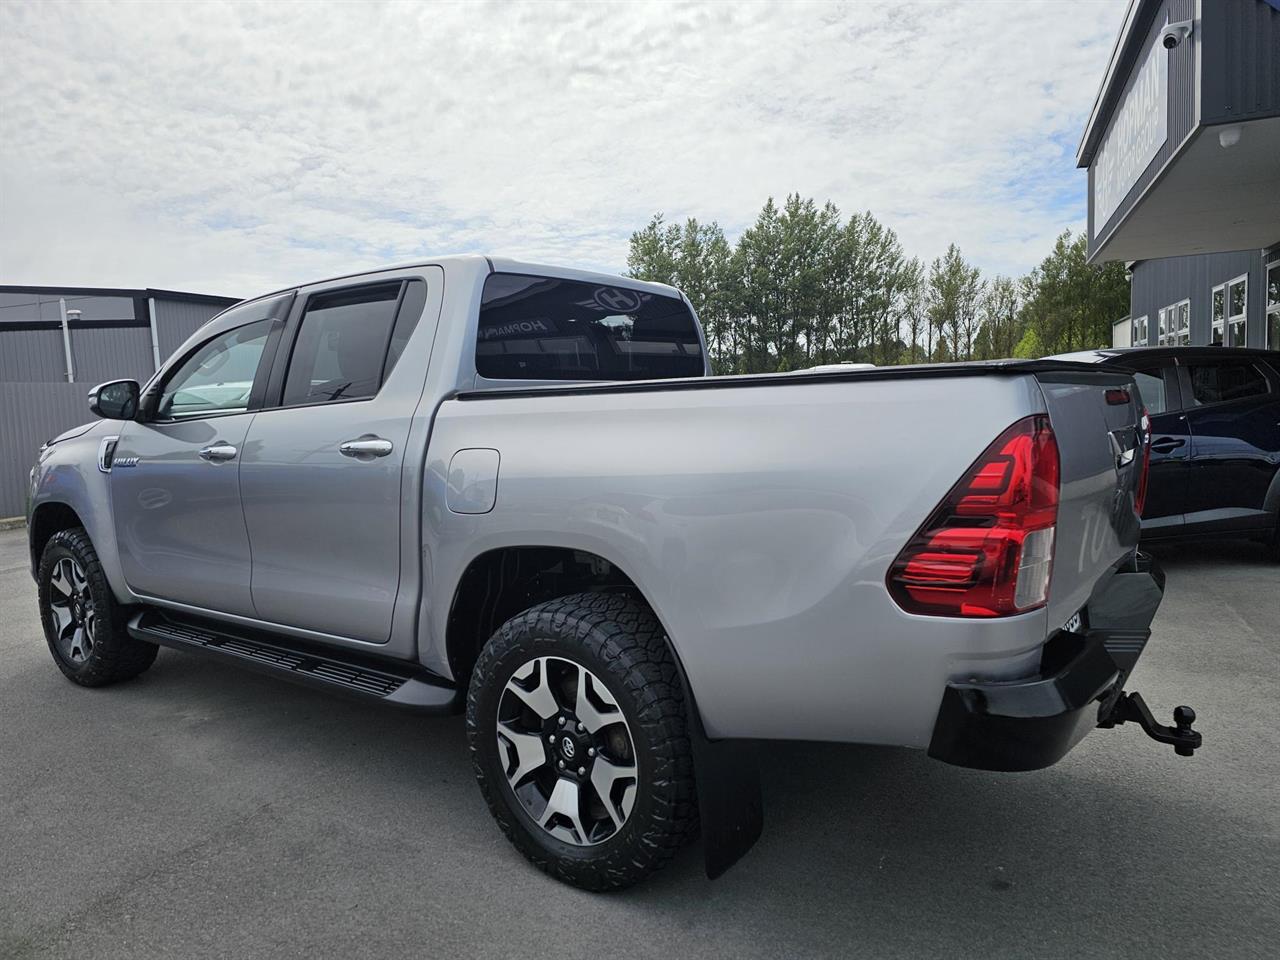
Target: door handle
column 218, row 453
column 1165, row 444
column 366, row 448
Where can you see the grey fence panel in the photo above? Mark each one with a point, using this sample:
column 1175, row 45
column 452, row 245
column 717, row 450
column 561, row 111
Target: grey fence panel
column 31, row 413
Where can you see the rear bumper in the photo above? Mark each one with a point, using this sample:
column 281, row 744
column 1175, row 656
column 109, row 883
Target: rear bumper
column 1032, row 722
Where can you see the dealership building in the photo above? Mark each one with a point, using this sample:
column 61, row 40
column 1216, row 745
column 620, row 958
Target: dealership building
column 57, row 342
column 1183, row 153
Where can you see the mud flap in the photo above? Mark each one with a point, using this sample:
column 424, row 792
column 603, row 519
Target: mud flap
column 730, row 805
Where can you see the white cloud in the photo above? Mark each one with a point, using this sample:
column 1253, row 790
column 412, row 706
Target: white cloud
column 233, row 148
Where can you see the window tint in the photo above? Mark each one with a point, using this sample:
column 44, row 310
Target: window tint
column 216, row 378
column 1216, row 382
column 1151, row 384
column 341, row 345
column 411, row 307
column 540, row 328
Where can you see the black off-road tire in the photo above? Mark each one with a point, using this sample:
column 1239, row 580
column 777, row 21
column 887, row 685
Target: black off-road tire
column 617, row 638
column 115, row 655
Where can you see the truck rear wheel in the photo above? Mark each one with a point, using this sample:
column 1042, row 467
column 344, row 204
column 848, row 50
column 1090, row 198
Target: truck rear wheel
column 83, row 624
column 577, row 727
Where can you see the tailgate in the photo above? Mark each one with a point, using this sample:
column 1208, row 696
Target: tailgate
column 1096, row 417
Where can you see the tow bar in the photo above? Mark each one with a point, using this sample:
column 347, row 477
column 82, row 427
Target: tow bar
column 1131, row 706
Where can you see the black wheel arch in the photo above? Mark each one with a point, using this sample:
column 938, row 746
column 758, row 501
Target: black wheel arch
column 48, row 518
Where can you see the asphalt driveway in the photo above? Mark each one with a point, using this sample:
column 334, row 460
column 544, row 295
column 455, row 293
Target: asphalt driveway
column 201, row 811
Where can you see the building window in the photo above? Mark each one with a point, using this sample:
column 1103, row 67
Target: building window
column 1237, row 308
column 1140, row 331
column 1175, row 324
column 1219, row 314
column 1273, row 305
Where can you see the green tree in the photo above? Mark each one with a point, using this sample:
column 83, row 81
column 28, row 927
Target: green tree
column 802, row 285
column 1002, row 320
column 955, row 291
column 1070, row 303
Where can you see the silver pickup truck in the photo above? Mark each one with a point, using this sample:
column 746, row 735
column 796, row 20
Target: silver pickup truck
column 475, row 484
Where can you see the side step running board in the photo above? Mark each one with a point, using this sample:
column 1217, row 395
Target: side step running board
column 403, row 685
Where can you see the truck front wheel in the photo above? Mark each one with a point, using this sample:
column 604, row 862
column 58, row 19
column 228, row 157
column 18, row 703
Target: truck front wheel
column 83, row 624
column 577, row 727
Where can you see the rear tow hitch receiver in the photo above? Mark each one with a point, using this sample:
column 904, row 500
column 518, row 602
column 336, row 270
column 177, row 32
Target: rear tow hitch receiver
column 1131, row 706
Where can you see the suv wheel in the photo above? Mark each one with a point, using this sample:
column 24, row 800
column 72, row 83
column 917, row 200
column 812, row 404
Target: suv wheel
column 83, row 624
column 576, row 721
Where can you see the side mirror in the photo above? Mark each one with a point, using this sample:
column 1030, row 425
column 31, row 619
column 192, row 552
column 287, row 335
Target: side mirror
column 115, row 400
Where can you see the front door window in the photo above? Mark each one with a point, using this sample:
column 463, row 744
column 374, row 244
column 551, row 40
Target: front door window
column 218, row 377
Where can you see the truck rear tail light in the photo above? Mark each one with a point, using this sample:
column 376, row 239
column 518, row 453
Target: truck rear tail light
column 1140, row 498
column 987, row 548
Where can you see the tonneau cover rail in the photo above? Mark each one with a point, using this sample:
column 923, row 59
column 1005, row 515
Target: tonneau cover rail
column 986, row 368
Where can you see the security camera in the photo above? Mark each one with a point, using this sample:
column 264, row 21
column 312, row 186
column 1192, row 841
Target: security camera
column 1175, row 33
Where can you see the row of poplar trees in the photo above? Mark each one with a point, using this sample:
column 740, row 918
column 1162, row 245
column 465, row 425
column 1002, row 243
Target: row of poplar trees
column 804, row 286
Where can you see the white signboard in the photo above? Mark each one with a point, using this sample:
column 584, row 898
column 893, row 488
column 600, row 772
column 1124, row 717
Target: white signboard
column 1138, row 129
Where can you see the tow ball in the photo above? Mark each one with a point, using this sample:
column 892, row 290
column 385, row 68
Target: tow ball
column 1131, row 706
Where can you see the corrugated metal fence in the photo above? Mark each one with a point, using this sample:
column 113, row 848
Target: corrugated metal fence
column 31, row 413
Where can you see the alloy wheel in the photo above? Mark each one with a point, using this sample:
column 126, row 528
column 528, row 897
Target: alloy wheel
column 72, row 613
column 567, row 751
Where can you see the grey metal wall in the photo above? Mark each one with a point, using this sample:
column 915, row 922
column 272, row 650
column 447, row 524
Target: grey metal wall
column 31, row 413
column 36, row 402
column 31, row 356
column 1240, row 76
column 176, row 320
column 109, row 354
column 1181, row 105
column 1159, row 283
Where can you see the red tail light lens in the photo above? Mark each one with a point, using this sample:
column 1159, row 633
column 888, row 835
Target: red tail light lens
column 1140, row 498
column 987, row 548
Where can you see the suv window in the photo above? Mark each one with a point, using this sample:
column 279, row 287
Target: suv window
column 218, row 377
column 342, row 344
column 1216, row 382
column 542, row 328
column 1151, row 384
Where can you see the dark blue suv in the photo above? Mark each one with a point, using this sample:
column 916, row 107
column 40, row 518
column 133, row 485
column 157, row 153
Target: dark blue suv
column 1215, row 442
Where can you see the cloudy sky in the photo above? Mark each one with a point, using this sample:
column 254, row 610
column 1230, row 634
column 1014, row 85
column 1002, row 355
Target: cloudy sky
column 236, row 147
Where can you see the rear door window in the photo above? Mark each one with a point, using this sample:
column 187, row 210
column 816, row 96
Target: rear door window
column 342, row 344
column 1221, row 381
column 543, row 328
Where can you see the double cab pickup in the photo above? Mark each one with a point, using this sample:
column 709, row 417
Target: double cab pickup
column 472, row 484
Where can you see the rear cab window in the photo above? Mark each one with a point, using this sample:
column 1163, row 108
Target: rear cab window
column 545, row 328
